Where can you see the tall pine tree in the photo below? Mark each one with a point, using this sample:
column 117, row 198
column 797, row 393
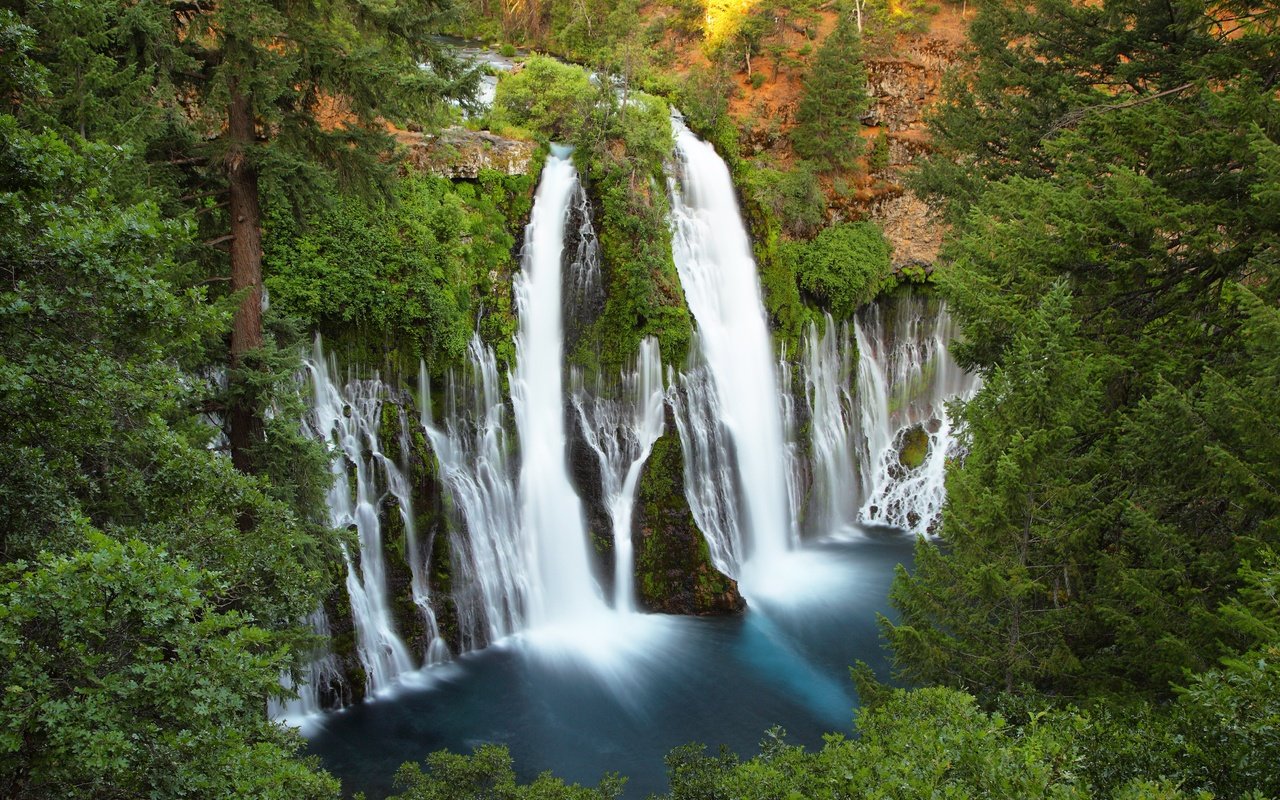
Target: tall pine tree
column 829, row 119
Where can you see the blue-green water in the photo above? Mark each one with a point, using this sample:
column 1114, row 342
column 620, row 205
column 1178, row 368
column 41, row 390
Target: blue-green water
column 624, row 697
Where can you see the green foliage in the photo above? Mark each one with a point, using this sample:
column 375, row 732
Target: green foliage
column 829, row 119
column 792, row 196
column 626, row 177
column 843, row 267
column 878, row 158
column 923, row 743
column 121, row 679
column 487, row 774
column 992, row 611
column 101, row 380
column 412, row 268
column 547, row 96
column 1121, row 467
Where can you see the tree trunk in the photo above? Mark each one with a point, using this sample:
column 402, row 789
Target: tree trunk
column 244, row 427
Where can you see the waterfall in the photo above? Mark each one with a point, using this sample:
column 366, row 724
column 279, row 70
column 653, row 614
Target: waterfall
column 322, row 685
column 398, row 485
column 713, row 257
column 489, row 566
column 347, row 418
column 709, row 481
column 906, row 376
column 551, row 512
column 621, row 430
column 828, row 376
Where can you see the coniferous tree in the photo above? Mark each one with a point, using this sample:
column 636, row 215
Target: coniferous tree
column 994, row 612
column 1145, row 184
column 829, row 119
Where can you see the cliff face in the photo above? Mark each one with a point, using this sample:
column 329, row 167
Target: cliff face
column 902, row 87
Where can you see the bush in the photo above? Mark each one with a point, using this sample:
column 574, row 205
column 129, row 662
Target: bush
column 793, row 196
column 843, row 267
column 121, row 680
column 546, row 96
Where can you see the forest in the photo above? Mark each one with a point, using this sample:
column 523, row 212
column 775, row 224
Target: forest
column 195, row 194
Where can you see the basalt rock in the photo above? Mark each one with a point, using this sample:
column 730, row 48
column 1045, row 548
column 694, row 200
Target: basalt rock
column 674, row 573
column 457, row 152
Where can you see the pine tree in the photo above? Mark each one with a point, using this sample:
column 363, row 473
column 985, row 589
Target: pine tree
column 991, row 611
column 291, row 89
column 829, row 119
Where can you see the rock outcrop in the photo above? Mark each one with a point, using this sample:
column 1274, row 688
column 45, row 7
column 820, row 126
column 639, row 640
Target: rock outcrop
column 460, row 153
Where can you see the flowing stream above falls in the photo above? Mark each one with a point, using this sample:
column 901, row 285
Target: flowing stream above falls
column 804, row 476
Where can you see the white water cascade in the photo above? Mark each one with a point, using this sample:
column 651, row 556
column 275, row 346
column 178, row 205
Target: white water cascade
column 551, row 513
column 905, row 378
column 491, row 582
column 620, row 426
column 713, row 257
column 347, row 417
column 322, row 681
column 828, row 384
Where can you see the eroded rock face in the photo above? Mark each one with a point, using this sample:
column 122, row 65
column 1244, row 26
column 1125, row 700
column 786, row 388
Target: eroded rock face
column 902, row 88
column 911, row 227
column 899, row 90
column 457, row 152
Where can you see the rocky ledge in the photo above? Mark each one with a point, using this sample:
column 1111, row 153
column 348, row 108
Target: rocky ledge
column 457, row 152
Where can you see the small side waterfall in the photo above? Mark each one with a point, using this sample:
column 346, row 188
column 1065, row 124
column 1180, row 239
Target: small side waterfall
column 437, row 651
column 713, row 257
column 906, row 376
column 551, row 513
column 620, row 426
column 710, row 483
column 347, row 417
column 322, row 683
column 828, row 384
column 489, row 565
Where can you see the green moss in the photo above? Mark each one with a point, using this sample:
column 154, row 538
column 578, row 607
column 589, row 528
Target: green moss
column 915, row 447
column 674, row 572
column 643, row 296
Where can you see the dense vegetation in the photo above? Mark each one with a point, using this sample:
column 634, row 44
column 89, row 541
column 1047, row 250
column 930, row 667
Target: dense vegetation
column 1108, row 562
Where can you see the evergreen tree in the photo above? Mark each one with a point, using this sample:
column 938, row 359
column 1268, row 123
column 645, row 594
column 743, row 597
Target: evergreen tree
column 829, row 119
column 1128, row 154
column 287, row 89
column 994, row 611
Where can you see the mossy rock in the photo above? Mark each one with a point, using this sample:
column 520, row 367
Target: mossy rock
column 913, row 447
column 674, row 573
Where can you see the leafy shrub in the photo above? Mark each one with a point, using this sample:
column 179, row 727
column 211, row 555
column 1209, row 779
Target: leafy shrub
column 547, row 96
column 843, row 267
column 122, row 680
column 793, row 196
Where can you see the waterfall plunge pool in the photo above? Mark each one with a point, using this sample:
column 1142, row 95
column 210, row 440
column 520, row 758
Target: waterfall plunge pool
column 619, row 698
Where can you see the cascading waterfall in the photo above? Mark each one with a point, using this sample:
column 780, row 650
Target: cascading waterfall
column 551, row 513
column 906, row 376
column 620, row 430
column 794, row 466
column 417, row 555
column 709, row 481
column 322, row 683
column 828, row 377
column 713, row 257
column 347, row 417
column 491, row 580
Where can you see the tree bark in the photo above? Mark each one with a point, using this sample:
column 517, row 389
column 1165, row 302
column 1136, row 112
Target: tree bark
column 244, row 427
